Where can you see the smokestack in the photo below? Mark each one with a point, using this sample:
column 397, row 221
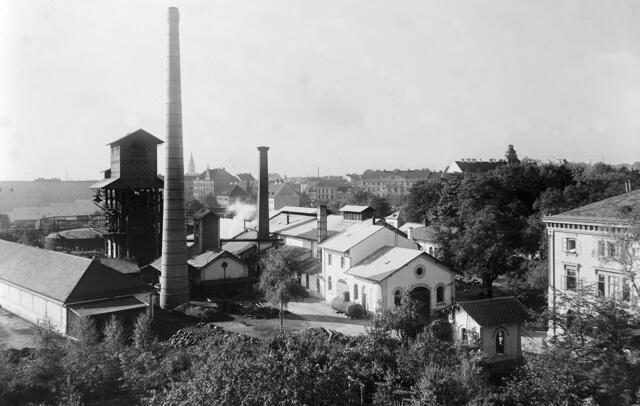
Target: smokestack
column 174, row 287
column 263, row 196
column 322, row 224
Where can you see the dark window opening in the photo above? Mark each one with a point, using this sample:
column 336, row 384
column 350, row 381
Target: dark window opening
column 500, row 342
column 440, row 294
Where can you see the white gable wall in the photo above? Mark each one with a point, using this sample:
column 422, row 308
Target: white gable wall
column 33, row 307
column 434, row 276
column 214, row 270
column 383, row 237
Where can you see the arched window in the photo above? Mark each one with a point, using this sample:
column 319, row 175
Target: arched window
column 430, row 250
column 329, row 283
column 500, row 342
column 440, row 294
column 464, row 334
column 396, row 297
column 318, row 285
column 355, row 291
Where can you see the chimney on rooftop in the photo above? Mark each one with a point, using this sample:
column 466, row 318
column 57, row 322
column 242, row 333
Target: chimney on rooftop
column 322, row 225
column 174, row 286
column 263, row 195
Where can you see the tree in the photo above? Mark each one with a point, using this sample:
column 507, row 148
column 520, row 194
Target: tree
column 380, row 206
column 511, row 155
column 406, row 319
column 278, row 280
column 422, row 201
column 192, row 206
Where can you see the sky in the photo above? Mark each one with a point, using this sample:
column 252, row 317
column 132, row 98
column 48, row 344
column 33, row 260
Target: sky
column 337, row 86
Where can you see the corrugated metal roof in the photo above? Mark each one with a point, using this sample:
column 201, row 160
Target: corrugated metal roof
column 62, row 277
column 383, row 263
column 309, row 230
column 350, row 237
column 495, row 312
column 76, row 234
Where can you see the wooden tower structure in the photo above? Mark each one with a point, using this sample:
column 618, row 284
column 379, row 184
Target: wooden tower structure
column 131, row 198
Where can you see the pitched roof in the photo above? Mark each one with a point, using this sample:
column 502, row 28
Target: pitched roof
column 331, row 183
column 309, row 230
column 63, row 277
column 384, row 262
column 355, row 209
column 479, row 166
column 299, row 210
column 245, row 176
column 201, row 260
column 202, row 213
column 351, row 236
column 612, row 208
column 495, row 312
column 233, row 190
column 411, row 174
column 281, row 188
column 119, row 264
column 220, row 175
column 138, row 133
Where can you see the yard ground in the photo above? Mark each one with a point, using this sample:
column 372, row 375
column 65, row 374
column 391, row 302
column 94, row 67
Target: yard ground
column 15, row 332
column 310, row 313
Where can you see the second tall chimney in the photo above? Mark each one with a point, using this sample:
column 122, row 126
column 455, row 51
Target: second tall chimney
column 263, row 196
column 174, row 283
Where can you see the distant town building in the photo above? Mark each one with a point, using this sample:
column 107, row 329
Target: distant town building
column 391, row 183
column 473, row 166
column 331, row 190
column 231, row 195
column 211, row 182
column 42, row 194
column 281, row 195
column 248, row 183
column 188, row 187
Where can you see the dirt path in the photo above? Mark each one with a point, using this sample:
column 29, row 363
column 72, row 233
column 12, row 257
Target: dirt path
column 309, row 313
column 14, row 331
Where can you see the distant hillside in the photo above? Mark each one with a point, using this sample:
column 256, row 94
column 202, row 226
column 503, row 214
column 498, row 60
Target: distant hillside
column 19, row 194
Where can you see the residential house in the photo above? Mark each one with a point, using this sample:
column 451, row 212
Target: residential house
column 496, row 323
column 281, row 195
column 57, row 289
column 331, row 190
column 211, row 182
column 583, row 251
column 231, row 195
column 248, row 183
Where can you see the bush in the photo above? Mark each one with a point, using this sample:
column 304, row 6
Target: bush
column 336, row 304
column 353, row 309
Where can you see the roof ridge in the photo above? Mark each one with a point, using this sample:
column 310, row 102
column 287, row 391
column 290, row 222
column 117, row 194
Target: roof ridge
column 487, row 299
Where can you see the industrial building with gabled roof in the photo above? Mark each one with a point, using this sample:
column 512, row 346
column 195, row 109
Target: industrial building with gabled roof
column 47, row 287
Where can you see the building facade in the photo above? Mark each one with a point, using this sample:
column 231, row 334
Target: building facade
column 584, row 247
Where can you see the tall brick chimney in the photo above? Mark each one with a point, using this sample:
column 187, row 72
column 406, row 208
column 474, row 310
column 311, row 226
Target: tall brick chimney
column 263, row 195
column 174, row 284
column 322, row 226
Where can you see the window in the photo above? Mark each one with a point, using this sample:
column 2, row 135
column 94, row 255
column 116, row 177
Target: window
column 318, row 285
column 570, row 278
column 329, row 259
column 329, row 283
column 611, row 249
column 419, row 272
column 440, row 294
column 601, row 287
column 614, row 287
column 570, row 245
column 355, row 292
column 464, row 334
column 500, row 342
column 306, row 276
column 396, row 297
column 601, row 251
column 342, row 262
column 430, row 250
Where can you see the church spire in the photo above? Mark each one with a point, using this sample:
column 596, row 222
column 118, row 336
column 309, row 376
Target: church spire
column 191, row 169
